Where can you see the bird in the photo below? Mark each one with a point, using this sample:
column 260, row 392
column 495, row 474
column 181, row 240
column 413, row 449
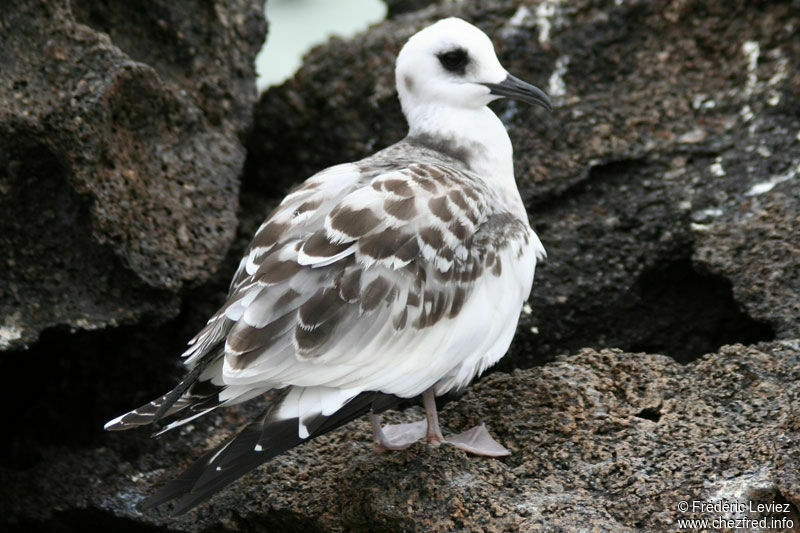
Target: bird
column 396, row 276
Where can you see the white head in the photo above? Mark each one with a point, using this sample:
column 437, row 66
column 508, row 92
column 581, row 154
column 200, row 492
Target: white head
column 453, row 63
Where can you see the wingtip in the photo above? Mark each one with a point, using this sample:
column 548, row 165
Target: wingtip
column 257, row 443
column 115, row 424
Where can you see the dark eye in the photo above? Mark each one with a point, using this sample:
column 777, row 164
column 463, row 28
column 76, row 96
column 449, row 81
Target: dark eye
column 455, row 60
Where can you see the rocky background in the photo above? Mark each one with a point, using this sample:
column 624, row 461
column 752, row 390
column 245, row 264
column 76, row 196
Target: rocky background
column 661, row 359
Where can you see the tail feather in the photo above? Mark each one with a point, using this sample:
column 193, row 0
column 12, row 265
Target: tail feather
column 188, row 393
column 175, row 394
column 146, row 413
column 257, row 443
column 198, row 406
column 181, row 486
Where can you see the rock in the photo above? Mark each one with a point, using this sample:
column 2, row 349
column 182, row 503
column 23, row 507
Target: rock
column 755, row 242
column 119, row 157
column 399, row 7
column 607, row 439
column 205, row 49
column 664, row 187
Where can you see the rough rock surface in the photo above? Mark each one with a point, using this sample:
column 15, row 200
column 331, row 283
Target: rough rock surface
column 755, row 243
column 119, row 156
column 607, row 439
column 665, row 188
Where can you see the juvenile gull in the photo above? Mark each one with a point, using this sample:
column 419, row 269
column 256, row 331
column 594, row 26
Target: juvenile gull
column 399, row 275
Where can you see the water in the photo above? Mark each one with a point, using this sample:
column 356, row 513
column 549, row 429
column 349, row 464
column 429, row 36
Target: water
column 295, row 26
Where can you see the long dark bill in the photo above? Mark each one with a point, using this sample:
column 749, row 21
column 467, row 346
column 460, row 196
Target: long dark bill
column 517, row 89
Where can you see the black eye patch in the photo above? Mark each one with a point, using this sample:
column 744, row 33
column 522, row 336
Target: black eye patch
column 455, row 60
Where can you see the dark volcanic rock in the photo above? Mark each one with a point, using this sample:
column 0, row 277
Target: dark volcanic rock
column 610, row 440
column 118, row 178
column 665, row 187
column 755, row 242
column 399, row 7
column 203, row 48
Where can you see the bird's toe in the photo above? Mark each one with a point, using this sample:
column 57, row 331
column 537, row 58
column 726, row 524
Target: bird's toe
column 400, row 436
column 478, row 441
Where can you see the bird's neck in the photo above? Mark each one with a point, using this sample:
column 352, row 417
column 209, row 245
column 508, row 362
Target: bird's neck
column 474, row 136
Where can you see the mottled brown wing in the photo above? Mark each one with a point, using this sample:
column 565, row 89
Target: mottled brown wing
column 343, row 274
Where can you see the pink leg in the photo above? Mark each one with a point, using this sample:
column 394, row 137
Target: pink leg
column 434, row 433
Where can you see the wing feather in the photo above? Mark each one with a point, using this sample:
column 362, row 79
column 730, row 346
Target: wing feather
column 398, row 255
column 372, row 281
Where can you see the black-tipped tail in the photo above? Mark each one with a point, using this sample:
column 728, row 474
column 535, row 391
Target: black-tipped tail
column 256, row 444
